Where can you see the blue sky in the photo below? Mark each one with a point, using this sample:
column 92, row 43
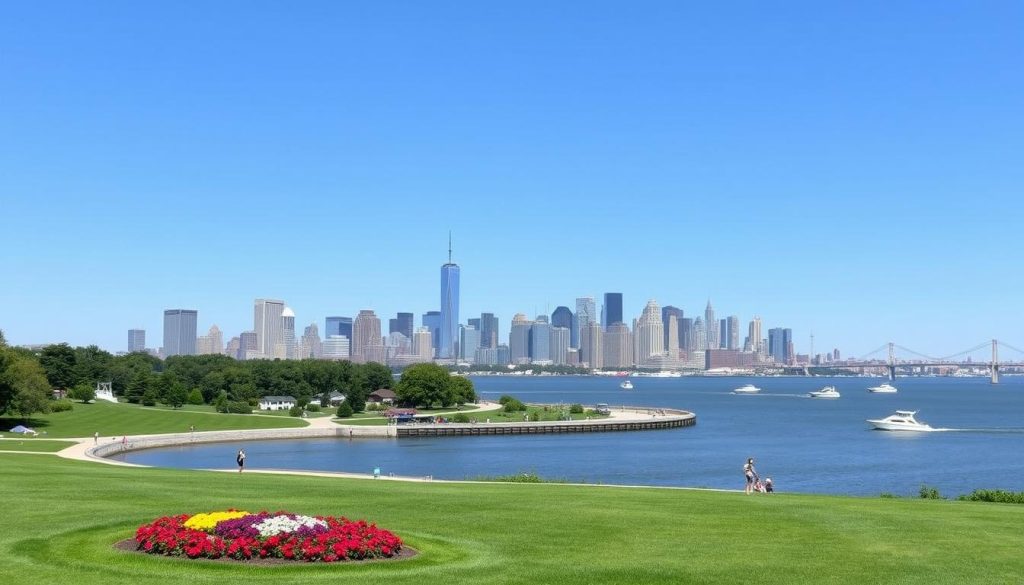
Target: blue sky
column 854, row 171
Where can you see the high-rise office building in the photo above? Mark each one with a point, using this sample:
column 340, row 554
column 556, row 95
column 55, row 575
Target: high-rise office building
column 474, row 323
column 233, row 347
column 366, row 337
column 686, row 339
column 591, row 347
column 700, row 337
column 489, row 333
column 449, row 307
column 402, row 323
column 422, row 345
column 336, row 347
column 618, row 346
column 540, row 339
column 710, row 327
column 649, row 334
column 311, row 342
column 723, row 333
column 180, row 332
column 284, row 349
column 780, row 345
column 733, row 330
column 586, row 313
column 268, row 325
column 672, row 329
column 519, row 339
column 562, row 317
column 338, row 326
column 248, row 345
column 211, row 343
column 754, row 334
column 611, row 312
column 666, row 312
column 432, row 320
column 469, row 342
column 136, row 340
column 558, row 346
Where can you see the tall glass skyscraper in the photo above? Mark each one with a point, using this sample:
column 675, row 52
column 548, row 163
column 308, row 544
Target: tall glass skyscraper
column 666, row 312
column 488, row 330
column 180, row 332
column 449, row 308
column 586, row 313
column 136, row 340
column 402, row 323
column 612, row 311
column 562, row 317
column 432, row 321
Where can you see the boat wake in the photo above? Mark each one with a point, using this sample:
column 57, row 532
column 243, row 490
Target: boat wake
column 1010, row 430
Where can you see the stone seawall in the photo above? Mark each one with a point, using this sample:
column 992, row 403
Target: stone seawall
column 662, row 419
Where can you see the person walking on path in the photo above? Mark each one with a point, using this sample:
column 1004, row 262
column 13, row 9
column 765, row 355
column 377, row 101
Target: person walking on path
column 240, row 459
column 96, row 437
column 750, row 474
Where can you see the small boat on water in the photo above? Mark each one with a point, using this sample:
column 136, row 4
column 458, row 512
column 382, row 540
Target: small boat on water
column 747, row 389
column 826, row 392
column 883, row 389
column 626, row 385
column 903, row 420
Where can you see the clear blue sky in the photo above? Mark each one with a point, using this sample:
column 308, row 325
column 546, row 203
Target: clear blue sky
column 853, row 170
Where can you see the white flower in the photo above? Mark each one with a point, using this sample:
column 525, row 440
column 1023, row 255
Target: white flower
column 275, row 525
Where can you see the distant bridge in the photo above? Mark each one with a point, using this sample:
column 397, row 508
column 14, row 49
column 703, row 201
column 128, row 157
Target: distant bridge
column 923, row 361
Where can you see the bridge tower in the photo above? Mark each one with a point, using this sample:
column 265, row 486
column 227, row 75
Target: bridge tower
column 892, row 362
column 995, row 361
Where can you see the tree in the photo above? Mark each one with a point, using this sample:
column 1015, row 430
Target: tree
column 58, row 362
column 92, row 365
column 425, row 384
column 82, row 391
column 195, row 397
column 24, row 381
column 344, row 410
column 377, row 376
column 176, row 395
column 462, row 389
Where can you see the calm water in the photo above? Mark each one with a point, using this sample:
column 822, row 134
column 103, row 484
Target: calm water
column 805, row 445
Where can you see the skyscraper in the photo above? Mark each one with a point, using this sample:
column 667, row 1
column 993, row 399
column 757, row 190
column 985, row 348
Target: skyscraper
column 489, row 333
column 311, row 341
column 180, row 332
column 519, row 339
column 754, row 333
column 248, row 345
column 268, row 325
column 723, row 333
column 666, row 312
column 591, row 346
column 558, row 346
column 540, row 339
column 285, row 347
column 136, row 340
column 672, row 328
column 366, row 337
column 649, row 333
column 336, row 347
column 733, row 328
column 780, row 345
column 618, row 346
column 211, row 343
column 586, row 313
column 422, row 345
column 710, row 327
column 700, row 338
column 469, row 342
column 686, row 336
column 562, row 317
column 432, row 320
column 402, row 323
column 449, row 307
column 611, row 312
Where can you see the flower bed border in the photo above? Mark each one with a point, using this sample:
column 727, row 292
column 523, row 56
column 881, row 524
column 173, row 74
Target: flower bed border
column 129, row 545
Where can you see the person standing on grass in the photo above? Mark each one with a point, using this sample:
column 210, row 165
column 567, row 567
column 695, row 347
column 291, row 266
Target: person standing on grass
column 240, row 459
column 750, row 474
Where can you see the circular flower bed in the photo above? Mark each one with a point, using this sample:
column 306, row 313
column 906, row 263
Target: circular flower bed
column 280, row 535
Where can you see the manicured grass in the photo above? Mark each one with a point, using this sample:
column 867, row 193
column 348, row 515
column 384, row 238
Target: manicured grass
column 34, row 445
column 109, row 420
column 61, row 518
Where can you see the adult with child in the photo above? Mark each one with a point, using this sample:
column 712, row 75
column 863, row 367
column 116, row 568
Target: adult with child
column 750, row 474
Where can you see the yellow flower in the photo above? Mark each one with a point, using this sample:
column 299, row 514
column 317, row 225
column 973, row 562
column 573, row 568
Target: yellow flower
column 206, row 522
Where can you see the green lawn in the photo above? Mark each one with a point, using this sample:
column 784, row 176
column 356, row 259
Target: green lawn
column 61, row 518
column 34, row 445
column 109, row 420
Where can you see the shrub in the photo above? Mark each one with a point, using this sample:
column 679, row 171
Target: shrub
column 195, row 397
column 313, row 407
column 461, row 418
column 888, row 495
column 576, row 409
column 344, row 410
column 505, row 398
column 999, row 496
column 62, row 405
column 295, row 410
column 514, row 405
column 535, row 416
column 929, row 493
column 238, row 407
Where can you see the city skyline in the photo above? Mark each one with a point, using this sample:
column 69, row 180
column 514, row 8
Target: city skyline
column 863, row 191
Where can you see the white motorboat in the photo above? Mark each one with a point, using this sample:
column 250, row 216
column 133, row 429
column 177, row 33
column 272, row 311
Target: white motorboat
column 903, row 420
column 747, row 389
column 826, row 392
column 883, row 389
column 626, row 385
